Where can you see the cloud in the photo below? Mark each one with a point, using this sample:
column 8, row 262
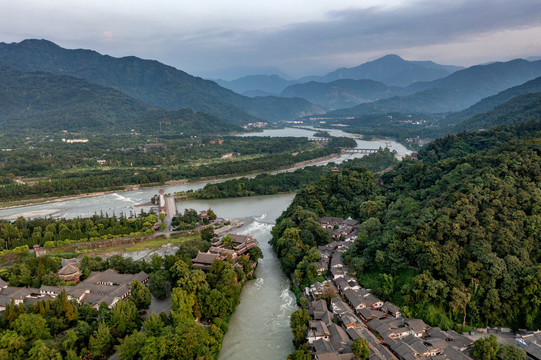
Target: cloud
column 351, row 34
column 327, row 35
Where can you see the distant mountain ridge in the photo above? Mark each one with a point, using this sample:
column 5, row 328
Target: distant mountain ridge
column 489, row 103
column 51, row 103
column 342, row 93
column 392, row 70
column 455, row 92
column 272, row 84
column 150, row 81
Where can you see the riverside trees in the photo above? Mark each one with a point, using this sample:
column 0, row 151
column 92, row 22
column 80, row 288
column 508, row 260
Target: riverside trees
column 451, row 239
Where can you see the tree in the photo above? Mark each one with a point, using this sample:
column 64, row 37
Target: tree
column 140, row 295
column 125, row 318
column 299, row 355
column 31, row 327
column 360, row 348
column 100, row 341
column 256, row 253
column 153, row 325
column 40, row 351
column 131, row 346
column 486, row 348
column 228, row 242
column 459, row 302
column 158, row 285
column 207, row 233
column 299, row 325
column 512, row 352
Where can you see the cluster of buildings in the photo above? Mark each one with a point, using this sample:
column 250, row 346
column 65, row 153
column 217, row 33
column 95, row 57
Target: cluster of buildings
column 363, row 315
column 219, row 250
column 258, row 124
column 100, row 287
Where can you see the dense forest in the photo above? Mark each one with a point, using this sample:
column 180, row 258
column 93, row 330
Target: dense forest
column 267, row 184
column 63, row 169
column 202, row 303
column 51, row 232
column 453, row 238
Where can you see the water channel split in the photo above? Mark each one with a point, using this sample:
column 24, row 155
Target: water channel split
column 259, row 328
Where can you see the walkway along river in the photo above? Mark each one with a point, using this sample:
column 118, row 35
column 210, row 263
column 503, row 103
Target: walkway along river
column 259, row 328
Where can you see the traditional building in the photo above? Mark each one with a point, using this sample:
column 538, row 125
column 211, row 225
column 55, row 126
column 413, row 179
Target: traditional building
column 70, row 272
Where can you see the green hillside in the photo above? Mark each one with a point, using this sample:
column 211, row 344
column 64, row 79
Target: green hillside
column 489, row 103
column 150, row 81
column 518, row 110
column 450, row 238
column 51, row 103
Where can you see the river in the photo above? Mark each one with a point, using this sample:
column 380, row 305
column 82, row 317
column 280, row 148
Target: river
column 259, row 328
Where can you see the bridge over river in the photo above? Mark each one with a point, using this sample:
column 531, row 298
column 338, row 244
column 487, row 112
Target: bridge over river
column 360, row 151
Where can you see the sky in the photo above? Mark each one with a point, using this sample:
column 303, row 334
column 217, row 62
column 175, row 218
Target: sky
column 230, row 38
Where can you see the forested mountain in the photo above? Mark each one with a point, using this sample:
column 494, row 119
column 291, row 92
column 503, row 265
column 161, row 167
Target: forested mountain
column 272, row 84
column 48, row 103
column 393, row 71
column 489, row 103
column 518, row 110
column 454, row 92
column 455, row 236
column 150, row 81
column 342, row 93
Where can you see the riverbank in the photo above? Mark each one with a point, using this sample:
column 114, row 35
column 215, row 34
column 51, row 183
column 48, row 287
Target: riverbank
column 51, row 200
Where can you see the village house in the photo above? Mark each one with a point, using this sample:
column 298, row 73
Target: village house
column 339, row 227
column 320, row 288
column 317, row 329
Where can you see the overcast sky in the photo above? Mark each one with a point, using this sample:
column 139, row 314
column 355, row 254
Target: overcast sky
column 219, row 38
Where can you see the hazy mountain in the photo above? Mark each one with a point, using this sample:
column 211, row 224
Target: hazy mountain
column 393, row 70
column 147, row 80
column 47, row 102
column 342, row 93
column 271, row 84
column 489, row 103
column 254, row 93
column 455, row 92
column 518, row 110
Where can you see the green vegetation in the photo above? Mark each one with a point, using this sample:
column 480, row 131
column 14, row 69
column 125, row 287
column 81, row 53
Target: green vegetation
column 47, row 103
column 54, row 168
column 266, row 184
column 49, row 232
column 452, row 239
column 202, row 304
column 360, row 348
column 152, row 82
column 488, row 348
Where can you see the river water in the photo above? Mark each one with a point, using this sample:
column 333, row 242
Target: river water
column 259, row 328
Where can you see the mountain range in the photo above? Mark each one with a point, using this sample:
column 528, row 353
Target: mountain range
column 151, row 81
column 50, row 103
column 392, row 70
column 455, row 92
column 343, row 93
column 55, row 88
